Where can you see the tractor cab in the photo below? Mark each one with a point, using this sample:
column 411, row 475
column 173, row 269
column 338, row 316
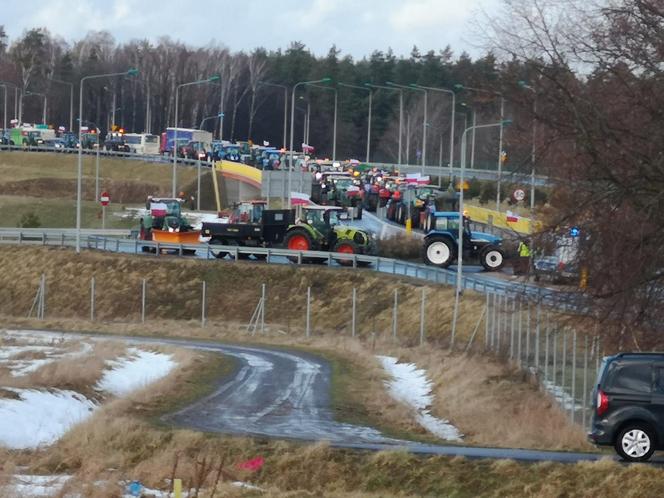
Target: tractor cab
column 248, row 212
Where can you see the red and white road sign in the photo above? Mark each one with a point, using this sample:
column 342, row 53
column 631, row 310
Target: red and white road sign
column 104, row 198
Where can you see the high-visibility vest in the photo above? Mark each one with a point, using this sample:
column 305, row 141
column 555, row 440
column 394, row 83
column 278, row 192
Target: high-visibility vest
column 524, row 250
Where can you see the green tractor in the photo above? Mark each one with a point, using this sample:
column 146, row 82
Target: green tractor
column 320, row 228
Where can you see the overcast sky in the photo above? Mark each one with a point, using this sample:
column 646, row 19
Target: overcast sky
column 357, row 27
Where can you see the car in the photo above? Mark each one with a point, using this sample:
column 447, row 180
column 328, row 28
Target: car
column 116, row 144
column 628, row 405
column 559, row 267
column 56, row 144
column 194, row 150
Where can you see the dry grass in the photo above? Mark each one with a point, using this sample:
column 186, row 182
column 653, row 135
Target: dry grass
column 174, row 292
column 403, row 247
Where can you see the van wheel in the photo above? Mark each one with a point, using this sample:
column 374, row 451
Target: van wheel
column 635, row 443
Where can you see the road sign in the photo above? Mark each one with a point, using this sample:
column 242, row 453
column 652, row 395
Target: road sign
column 519, row 194
column 105, row 199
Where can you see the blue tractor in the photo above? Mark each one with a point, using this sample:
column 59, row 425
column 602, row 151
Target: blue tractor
column 441, row 242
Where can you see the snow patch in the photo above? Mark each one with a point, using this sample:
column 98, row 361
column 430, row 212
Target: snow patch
column 134, row 372
column 561, row 396
column 411, row 386
column 34, row 486
column 40, row 418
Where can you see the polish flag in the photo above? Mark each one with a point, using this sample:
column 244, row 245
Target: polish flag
column 300, row 199
column 158, row 209
column 511, row 217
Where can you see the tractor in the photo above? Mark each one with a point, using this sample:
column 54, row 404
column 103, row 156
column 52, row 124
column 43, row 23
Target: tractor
column 165, row 223
column 441, row 243
column 319, row 228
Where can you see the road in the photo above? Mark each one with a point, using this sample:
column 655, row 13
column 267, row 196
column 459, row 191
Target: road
column 284, row 394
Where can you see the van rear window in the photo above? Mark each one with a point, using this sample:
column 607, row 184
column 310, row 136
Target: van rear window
column 632, row 378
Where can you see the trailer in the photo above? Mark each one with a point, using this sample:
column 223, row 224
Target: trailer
column 184, row 136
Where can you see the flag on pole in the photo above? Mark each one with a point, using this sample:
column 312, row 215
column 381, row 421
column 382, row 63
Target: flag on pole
column 300, row 199
column 512, row 217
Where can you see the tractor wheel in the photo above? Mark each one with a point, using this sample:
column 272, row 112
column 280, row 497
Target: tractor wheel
column 346, row 247
column 492, row 258
column 298, row 239
column 438, row 251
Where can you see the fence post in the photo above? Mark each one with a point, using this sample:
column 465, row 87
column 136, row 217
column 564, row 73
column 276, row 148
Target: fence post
column 563, row 364
column 422, row 316
column 513, row 319
column 92, row 299
column 518, row 348
column 263, row 304
column 353, row 315
column 395, row 314
column 555, row 356
column 573, row 374
column 528, row 320
column 307, row 331
column 585, row 381
column 537, row 337
column 143, row 301
column 546, row 349
column 487, row 325
column 203, row 299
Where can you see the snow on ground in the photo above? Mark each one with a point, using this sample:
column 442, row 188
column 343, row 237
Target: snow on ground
column 135, row 371
column 33, row 486
column 39, row 418
column 563, row 398
column 46, row 347
column 410, row 385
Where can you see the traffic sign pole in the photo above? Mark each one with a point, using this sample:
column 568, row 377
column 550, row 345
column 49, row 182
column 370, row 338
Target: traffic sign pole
column 104, row 199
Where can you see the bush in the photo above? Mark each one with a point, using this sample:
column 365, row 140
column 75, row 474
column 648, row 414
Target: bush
column 404, row 247
column 29, row 220
column 474, row 188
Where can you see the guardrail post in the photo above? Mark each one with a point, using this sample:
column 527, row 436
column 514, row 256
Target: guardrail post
column 354, row 311
column 268, row 258
column 299, row 258
column 519, row 360
column 203, row 301
column 92, row 299
column 585, row 381
column 354, row 261
column 62, row 239
column 263, row 304
column 487, row 324
column 308, row 317
column 537, row 337
column 143, row 296
column 20, row 237
column 395, row 314
column 422, row 316
column 104, row 243
column 546, row 349
column 329, row 259
column 237, row 254
column 377, row 264
column 563, row 365
column 528, row 335
column 555, row 356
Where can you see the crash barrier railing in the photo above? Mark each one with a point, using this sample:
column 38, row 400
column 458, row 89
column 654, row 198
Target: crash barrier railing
column 151, row 158
column 564, row 301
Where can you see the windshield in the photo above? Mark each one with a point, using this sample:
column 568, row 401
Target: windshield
column 132, row 139
column 334, row 217
column 151, row 139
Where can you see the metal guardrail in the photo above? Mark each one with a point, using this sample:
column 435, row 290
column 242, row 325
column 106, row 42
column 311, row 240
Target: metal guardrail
column 565, row 301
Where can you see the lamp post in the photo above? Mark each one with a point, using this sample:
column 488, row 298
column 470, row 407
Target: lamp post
column 461, row 224
column 45, row 100
column 130, row 72
column 71, row 101
column 292, row 131
column 334, row 125
column 424, row 122
column 365, row 88
column 523, row 84
column 451, row 92
column 500, row 139
column 4, row 112
column 208, row 118
column 285, row 89
column 211, row 79
column 380, row 87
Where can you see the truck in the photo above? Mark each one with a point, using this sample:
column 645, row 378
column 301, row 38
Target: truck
column 164, row 223
column 30, row 135
column 142, row 143
column 441, row 248
column 305, row 228
column 184, row 136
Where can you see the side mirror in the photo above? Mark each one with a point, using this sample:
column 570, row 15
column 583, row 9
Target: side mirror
column 344, row 216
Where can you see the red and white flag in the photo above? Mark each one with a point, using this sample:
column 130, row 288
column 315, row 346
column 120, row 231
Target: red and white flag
column 300, row 199
column 158, row 209
column 512, row 217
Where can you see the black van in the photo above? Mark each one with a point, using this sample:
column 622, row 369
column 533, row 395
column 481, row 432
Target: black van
column 629, row 405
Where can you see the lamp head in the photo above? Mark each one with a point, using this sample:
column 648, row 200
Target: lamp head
column 132, row 72
column 458, row 86
column 326, row 80
column 214, row 78
column 506, row 122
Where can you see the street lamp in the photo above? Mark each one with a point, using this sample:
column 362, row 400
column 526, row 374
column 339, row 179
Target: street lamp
column 523, row 84
column 369, row 118
column 292, row 130
column 451, row 92
column 380, row 87
column 71, row 101
column 334, row 125
column 285, row 89
column 130, row 72
column 424, row 122
column 500, row 139
column 211, row 79
column 461, row 227
column 45, row 100
column 208, row 118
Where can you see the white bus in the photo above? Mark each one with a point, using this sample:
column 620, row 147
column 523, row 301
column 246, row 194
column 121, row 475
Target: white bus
column 142, row 143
